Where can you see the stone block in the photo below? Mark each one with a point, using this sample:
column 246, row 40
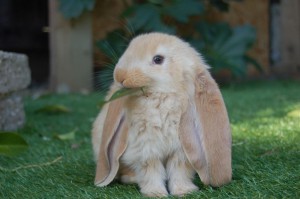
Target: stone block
column 12, row 114
column 14, row 77
column 14, row 72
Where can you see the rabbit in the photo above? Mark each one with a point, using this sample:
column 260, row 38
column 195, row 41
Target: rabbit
column 178, row 127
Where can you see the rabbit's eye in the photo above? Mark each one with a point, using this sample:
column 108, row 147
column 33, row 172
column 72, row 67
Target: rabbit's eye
column 158, row 59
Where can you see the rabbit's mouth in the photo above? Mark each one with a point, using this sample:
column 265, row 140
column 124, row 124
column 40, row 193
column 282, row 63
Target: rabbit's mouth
column 134, row 78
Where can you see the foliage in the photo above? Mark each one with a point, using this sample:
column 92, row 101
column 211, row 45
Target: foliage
column 53, row 109
column 222, row 5
column 120, row 93
column 66, row 136
column 224, row 47
column 11, row 144
column 265, row 155
column 148, row 16
column 74, row 8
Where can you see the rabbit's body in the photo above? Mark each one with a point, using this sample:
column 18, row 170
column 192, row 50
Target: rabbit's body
column 154, row 151
column 178, row 127
column 153, row 132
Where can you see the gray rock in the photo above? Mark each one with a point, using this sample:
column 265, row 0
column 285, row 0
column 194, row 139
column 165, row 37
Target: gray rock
column 14, row 72
column 12, row 114
column 14, row 77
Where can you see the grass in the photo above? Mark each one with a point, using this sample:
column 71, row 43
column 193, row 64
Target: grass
column 265, row 121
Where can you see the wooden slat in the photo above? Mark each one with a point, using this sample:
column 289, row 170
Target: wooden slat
column 290, row 36
column 71, row 57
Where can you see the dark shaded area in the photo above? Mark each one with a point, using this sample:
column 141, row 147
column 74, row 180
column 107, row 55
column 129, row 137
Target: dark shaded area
column 23, row 29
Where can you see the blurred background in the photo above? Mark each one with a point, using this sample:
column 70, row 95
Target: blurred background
column 73, row 45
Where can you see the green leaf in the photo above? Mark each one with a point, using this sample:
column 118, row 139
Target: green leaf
column 240, row 41
column 210, row 32
column 226, row 47
column 128, row 11
column 143, row 16
column 182, row 10
column 123, row 92
column 220, row 4
column 66, row 136
column 74, row 8
column 11, row 144
column 53, row 109
column 252, row 61
column 120, row 93
column 147, row 18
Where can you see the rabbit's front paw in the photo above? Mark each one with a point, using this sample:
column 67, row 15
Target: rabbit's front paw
column 182, row 188
column 157, row 191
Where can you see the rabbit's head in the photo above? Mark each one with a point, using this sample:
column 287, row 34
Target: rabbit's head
column 157, row 61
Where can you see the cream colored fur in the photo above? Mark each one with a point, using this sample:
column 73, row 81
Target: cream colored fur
column 154, row 151
column 167, row 141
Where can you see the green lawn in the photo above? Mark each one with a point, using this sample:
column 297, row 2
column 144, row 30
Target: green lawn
column 265, row 121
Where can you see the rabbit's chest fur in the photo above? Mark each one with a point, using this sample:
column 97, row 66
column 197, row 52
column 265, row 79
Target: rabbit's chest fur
column 153, row 127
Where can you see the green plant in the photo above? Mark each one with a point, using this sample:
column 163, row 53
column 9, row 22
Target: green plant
column 155, row 15
column 223, row 47
column 74, row 8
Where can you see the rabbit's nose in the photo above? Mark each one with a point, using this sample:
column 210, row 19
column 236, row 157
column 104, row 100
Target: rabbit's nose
column 120, row 75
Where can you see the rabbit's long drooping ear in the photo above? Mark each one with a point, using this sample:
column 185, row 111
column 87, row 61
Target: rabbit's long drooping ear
column 113, row 143
column 205, row 132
